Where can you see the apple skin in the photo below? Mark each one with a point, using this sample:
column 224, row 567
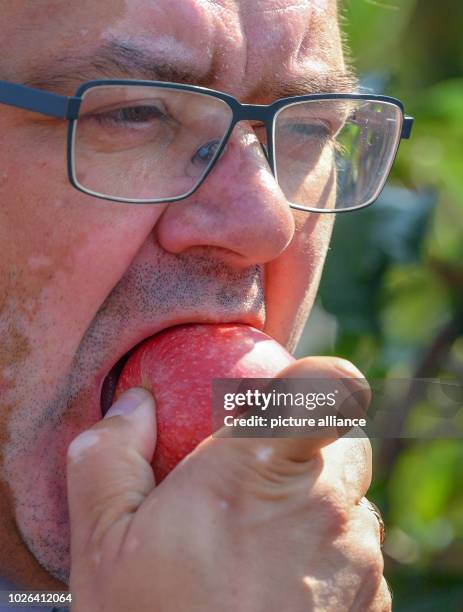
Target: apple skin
column 178, row 365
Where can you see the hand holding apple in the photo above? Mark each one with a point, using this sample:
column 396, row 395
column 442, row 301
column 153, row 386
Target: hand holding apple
column 232, row 528
column 178, row 367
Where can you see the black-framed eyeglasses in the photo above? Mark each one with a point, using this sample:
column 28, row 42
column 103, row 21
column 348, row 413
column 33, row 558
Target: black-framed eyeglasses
column 147, row 142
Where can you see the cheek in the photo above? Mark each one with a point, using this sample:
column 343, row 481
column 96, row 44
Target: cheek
column 292, row 279
column 33, row 248
column 61, row 252
column 311, row 180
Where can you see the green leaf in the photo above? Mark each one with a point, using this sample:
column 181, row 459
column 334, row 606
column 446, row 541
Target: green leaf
column 364, row 245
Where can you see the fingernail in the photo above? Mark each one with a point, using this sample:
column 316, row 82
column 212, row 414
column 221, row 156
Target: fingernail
column 128, row 402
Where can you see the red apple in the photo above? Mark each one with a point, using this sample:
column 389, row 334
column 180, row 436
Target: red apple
column 178, row 366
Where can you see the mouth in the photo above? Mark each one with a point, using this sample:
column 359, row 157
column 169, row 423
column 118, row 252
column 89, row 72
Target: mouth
column 108, row 387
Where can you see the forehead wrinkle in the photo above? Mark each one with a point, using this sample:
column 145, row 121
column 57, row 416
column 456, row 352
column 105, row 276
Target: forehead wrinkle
column 311, row 59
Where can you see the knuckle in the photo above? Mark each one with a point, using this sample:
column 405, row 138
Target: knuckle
column 381, row 601
column 372, row 561
column 332, row 510
column 384, row 597
column 353, row 458
column 362, row 448
column 346, row 368
column 115, row 510
column 361, row 465
column 373, row 596
column 374, row 569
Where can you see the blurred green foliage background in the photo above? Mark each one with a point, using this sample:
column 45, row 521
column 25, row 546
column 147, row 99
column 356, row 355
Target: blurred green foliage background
column 391, row 297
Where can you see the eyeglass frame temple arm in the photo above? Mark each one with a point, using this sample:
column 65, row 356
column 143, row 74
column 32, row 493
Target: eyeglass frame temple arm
column 407, row 127
column 39, row 101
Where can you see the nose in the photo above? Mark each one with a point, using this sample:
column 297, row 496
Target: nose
column 239, row 207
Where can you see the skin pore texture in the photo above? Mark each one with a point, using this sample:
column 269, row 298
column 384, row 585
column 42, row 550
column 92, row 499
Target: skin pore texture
column 83, row 280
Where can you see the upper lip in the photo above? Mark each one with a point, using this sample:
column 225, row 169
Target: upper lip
column 141, row 333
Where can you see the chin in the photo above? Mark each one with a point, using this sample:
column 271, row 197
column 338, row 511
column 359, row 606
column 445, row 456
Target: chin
column 39, row 483
column 42, row 516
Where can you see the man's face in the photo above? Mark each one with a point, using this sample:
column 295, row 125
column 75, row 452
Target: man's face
column 83, row 280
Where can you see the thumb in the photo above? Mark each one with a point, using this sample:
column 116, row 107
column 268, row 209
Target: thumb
column 294, row 443
column 108, row 468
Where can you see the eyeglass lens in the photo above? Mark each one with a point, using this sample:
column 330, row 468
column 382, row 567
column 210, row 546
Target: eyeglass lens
column 140, row 142
column 335, row 153
column 150, row 143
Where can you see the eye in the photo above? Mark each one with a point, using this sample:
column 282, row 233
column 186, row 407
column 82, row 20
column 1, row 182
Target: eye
column 302, row 128
column 131, row 114
column 205, row 153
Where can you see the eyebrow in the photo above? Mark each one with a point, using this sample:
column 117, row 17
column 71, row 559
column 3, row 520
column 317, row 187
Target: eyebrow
column 125, row 60
column 329, row 82
column 113, row 60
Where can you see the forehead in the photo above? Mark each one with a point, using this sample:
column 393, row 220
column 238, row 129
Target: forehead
column 233, row 44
